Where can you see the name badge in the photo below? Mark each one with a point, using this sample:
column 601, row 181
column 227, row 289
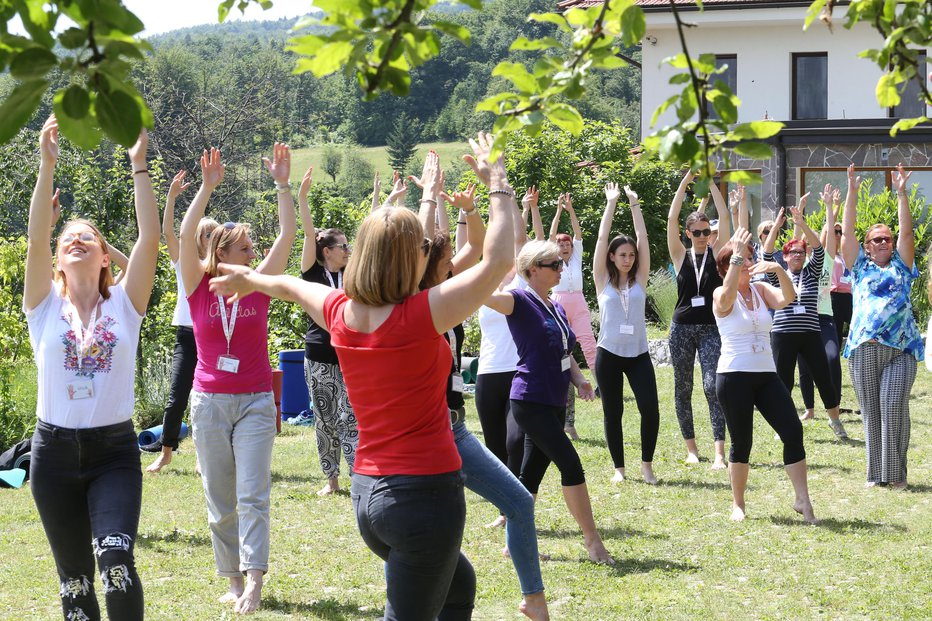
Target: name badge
column 757, row 349
column 799, row 309
column 698, row 301
column 565, row 363
column 626, row 328
column 227, row 363
column 458, row 385
column 80, row 389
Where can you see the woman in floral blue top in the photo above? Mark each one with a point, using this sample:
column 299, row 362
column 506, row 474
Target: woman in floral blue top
column 884, row 343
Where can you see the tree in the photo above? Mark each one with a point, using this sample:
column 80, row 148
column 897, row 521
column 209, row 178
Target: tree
column 332, row 161
column 402, row 142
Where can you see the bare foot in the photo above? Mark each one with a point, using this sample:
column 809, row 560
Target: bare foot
column 598, row 553
column 534, row 606
column 498, row 522
column 692, row 458
column 807, row 415
column 235, row 592
column 804, row 508
column 647, row 471
column 571, row 432
column 332, row 487
column 249, row 601
column 619, row 476
column 737, row 513
column 164, row 458
column 719, row 463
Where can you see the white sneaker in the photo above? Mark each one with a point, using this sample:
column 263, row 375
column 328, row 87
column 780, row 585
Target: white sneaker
column 304, row 419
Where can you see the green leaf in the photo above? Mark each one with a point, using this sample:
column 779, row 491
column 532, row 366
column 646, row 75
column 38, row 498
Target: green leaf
column 493, row 103
column 329, row 58
column 81, row 130
column 680, row 78
column 517, row 74
column 552, row 18
column 461, row 33
column 887, row 95
column 119, row 116
column 907, row 124
column 34, row 62
column 73, row 38
column 74, row 102
column 755, row 150
column 756, row 130
column 814, row 10
column 473, row 4
column 523, row 43
column 633, row 25
column 742, row 177
column 566, row 117
column 19, row 106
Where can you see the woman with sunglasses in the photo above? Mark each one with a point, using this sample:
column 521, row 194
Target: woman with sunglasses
column 407, row 488
column 620, row 269
column 884, row 343
column 796, row 328
column 232, row 408
column 85, row 472
column 546, row 367
column 324, row 256
column 693, row 328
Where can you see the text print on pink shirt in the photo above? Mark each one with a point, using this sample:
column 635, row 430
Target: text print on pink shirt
column 214, row 310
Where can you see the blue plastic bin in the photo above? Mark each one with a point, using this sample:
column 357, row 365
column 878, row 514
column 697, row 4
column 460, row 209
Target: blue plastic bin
column 295, row 398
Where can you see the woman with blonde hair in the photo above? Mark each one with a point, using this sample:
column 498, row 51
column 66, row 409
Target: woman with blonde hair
column 84, row 330
column 407, row 488
column 232, row 408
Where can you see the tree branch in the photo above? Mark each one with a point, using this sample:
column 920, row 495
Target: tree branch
column 695, row 82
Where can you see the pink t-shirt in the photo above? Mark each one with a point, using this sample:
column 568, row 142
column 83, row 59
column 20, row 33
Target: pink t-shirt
column 249, row 344
column 840, row 284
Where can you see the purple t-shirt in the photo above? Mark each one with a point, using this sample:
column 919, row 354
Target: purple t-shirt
column 537, row 335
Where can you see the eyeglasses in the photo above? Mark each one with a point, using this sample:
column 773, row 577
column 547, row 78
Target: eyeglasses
column 555, row 265
column 345, row 247
column 882, row 240
column 229, row 225
column 701, row 232
column 765, row 232
column 84, row 236
column 425, row 246
column 795, row 253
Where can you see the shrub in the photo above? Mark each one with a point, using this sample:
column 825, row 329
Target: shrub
column 661, row 290
column 153, row 385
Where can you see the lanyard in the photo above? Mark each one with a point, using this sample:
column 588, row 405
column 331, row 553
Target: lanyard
column 451, row 335
column 564, row 329
column 625, row 300
column 698, row 269
column 228, row 324
column 755, row 319
column 84, row 339
column 339, row 283
column 797, row 287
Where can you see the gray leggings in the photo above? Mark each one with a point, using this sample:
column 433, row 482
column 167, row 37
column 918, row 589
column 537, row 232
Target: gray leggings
column 686, row 340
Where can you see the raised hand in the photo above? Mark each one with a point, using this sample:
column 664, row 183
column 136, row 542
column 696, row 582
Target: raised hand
column 900, row 178
column 802, row 203
column 280, row 164
column 137, row 152
column 734, row 199
column 826, row 195
column 780, row 220
column 211, row 168
column 306, row 183
column 739, row 241
column 854, row 181
column 48, row 141
column 462, row 200
column 530, row 197
column 568, row 202
column 399, row 189
column 479, row 161
column 765, row 267
column 429, row 173
column 612, row 194
column 235, row 281
column 56, row 207
column 836, row 197
column 178, row 185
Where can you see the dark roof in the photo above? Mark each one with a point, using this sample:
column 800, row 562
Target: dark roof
column 657, row 5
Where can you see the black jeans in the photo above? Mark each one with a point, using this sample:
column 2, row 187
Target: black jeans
column 502, row 434
column 832, row 354
column 842, row 307
column 609, row 369
column 788, row 346
column 415, row 524
column 183, row 362
column 87, row 484
column 546, row 442
column 739, row 392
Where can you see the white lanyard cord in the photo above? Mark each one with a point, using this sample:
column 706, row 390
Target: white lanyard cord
column 452, row 336
column 339, row 283
column 623, row 295
column 564, row 329
column 228, row 324
column 698, row 269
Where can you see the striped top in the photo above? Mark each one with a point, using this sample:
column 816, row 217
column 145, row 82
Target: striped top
column 806, row 284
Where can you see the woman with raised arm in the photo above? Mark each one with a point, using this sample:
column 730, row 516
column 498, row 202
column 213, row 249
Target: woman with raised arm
column 569, row 293
column 324, row 256
column 620, row 269
column 546, row 367
column 407, row 488
column 85, row 473
column 796, row 328
column 693, row 328
column 884, row 343
column 746, row 376
column 232, row 408
column 184, row 359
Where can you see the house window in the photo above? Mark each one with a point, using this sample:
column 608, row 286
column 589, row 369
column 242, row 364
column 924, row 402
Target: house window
column 911, row 102
column 729, row 77
column 813, row 180
column 810, row 86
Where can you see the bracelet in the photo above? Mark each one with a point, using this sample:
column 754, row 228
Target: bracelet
column 508, row 193
column 139, row 172
column 461, row 222
column 471, row 212
column 736, row 260
column 428, row 200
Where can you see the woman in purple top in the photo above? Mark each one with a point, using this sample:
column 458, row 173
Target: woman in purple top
column 538, row 392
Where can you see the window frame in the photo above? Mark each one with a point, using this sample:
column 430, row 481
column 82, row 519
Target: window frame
column 730, row 58
column 794, row 113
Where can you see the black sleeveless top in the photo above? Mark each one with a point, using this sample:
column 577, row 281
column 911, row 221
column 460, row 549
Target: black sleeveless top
column 686, row 290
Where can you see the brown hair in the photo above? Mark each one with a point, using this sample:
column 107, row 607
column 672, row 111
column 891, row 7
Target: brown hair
column 696, row 216
column 222, row 238
column 383, row 269
column 325, row 239
column 204, row 229
column 724, row 258
column 614, row 276
column 105, row 281
column 437, row 248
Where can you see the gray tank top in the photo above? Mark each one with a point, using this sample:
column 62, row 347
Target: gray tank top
column 622, row 329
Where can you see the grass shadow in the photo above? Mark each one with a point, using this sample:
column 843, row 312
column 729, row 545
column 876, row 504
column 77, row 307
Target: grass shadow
column 149, row 539
column 809, row 466
column 329, row 609
column 688, row 483
column 615, row 532
column 278, row 477
column 600, row 443
column 848, row 441
column 625, row 565
column 921, row 488
column 841, row 526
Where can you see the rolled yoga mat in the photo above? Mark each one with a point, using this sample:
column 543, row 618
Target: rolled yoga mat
column 152, row 434
column 12, row 478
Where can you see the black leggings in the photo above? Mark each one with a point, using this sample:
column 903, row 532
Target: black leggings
column 502, row 434
column 183, row 362
column 830, row 343
column 841, row 313
column 739, row 393
column 546, row 442
column 640, row 371
column 788, row 346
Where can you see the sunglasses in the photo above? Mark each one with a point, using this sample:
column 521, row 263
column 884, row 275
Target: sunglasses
column 555, row 265
column 837, row 231
column 882, row 240
column 85, row 236
column 344, row 247
column 701, row 232
column 765, row 232
column 425, row 246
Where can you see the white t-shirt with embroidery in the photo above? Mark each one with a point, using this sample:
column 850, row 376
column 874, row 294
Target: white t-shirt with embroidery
column 110, row 363
column 571, row 278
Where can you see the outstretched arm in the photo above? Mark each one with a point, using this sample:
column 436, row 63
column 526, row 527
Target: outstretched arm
column 828, row 232
column 38, row 281
column 771, row 239
column 118, row 259
column 472, row 232
column 640, row 232
column 555, row 225
column 376, row 191
column 799, row 221
column 724, row 218
column 849, row 240
column 674, row 242
column 309, row 247
column 428, row 180
column 140, row 269
column 906, row 240
column 775, row 297
column 280, row 168
column 599, row 271
column 168, row 218
column 574, row 221
column 723, row 299
column 192, row 270
column 239, row 281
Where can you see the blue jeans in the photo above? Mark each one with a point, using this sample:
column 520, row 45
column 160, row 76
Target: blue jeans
column 487, row 476
column 415, row 524
column 87, row 484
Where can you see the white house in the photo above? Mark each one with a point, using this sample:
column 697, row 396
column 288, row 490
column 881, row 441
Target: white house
column 811, row 80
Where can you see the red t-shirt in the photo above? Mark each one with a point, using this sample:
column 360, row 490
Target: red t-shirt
column 249, row 344
column 396, row 379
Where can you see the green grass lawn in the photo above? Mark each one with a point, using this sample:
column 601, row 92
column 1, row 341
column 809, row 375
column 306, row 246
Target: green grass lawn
column 679, row 557
column 377, row 156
